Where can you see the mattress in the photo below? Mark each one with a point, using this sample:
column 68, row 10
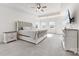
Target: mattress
column 27, row 33
column 35, row 34
column 31, row 40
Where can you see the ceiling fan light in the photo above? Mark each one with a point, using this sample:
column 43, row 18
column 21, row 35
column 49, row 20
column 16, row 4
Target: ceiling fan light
column 40, row 7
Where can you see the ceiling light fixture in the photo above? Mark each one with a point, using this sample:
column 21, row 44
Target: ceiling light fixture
column 39, row 7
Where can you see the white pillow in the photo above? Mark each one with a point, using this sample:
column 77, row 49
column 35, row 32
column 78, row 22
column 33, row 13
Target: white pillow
column 27, row 28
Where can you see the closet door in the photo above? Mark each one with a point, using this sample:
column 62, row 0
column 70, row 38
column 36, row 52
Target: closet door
column 71, row 40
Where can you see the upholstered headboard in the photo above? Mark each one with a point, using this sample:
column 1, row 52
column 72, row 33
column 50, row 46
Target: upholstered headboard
column 21, row 24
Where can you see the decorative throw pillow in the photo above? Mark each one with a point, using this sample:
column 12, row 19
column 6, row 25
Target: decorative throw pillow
column 21, row 28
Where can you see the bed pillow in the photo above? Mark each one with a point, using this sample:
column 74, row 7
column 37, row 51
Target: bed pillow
column 27, row 28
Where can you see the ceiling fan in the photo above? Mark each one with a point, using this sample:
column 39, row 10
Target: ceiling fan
column 40, row 7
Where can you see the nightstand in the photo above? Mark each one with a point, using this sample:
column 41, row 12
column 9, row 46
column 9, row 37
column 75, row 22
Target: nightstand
column 10, row 36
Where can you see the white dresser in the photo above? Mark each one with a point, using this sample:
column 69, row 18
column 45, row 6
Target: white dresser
column 71, row 40
column 10, row 36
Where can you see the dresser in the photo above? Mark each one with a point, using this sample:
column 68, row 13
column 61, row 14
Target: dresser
column 71, row 40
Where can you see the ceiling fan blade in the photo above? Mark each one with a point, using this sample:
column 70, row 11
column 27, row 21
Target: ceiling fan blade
column 42, row 10
column 44, row 7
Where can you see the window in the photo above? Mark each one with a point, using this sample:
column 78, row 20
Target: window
column 51, row 24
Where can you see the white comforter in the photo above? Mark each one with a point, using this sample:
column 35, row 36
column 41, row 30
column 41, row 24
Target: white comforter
column 33, row 33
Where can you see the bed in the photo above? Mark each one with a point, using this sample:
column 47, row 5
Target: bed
column 26, row 32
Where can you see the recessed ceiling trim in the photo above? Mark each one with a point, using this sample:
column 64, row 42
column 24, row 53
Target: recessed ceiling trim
column 50, row 14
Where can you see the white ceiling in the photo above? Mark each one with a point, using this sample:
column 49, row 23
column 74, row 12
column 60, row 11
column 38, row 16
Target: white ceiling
column 27, row 7
column 51, row 9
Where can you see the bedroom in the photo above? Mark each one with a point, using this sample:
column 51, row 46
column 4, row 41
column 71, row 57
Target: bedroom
column 49, row 16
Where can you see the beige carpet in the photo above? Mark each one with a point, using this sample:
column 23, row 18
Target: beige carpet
column 48, row 47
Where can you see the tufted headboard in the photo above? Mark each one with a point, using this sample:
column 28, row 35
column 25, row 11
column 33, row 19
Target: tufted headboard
column 21, row 24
